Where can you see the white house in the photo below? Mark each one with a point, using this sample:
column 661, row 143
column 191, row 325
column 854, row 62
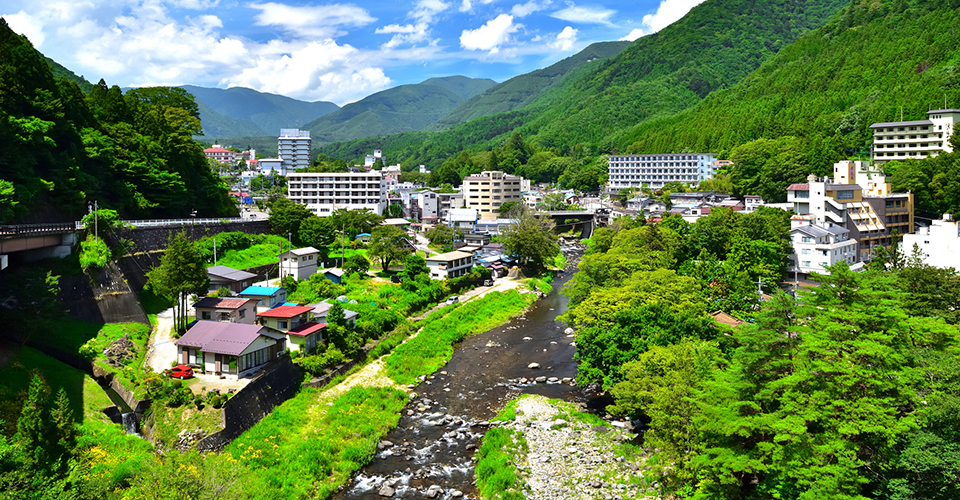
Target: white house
column 301, row 263
column 939, row 242
column 230, row 349
column 450, row 264
column 817, row 246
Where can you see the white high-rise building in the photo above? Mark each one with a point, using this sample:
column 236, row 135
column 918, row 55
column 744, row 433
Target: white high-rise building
column 916, row 139
column 293, row 147
column 656, row 170
column 939, row 243
column 323, row 193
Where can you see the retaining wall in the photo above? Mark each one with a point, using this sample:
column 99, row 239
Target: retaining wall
column 148, row 239
column 277, row 382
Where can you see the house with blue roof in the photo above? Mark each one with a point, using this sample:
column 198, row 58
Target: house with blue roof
column 267, row 296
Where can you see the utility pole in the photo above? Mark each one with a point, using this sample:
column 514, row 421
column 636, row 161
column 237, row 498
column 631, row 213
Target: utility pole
column 214, row 250
column 343, row 239
column 96, row 223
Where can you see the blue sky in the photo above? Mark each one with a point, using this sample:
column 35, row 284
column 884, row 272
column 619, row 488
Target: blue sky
column 330, row 51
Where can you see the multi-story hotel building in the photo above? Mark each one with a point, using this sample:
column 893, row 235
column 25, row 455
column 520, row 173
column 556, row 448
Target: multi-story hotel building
column 656, row 170
column 293, row 147
column 488, row 190
column 914, row 139
column 323, row 193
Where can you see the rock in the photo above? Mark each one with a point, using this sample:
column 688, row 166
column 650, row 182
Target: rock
column 523, row 380
column 433, row 491
column 382, row 445
column 527, row 338
column 471, row 446
column 541, row 380
column 568, row 331
column 456, row 494
column 553, row 379
column 386, row 491
column 533, row 366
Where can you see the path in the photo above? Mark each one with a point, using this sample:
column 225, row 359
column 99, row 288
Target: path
column 162, row 351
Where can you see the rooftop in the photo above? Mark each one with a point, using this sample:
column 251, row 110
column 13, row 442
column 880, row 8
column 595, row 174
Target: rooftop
column 913, row 123
column 220, row 338
column 222, row 302
column 307, row 328
column 260, row 290
column 229, row 273
column 302, row 251
column 285, row 312
column 449, row 256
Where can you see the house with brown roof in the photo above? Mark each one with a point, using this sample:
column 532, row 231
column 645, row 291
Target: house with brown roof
column 231, row 349
column 227, row 309
column 295, row 323
column 230, row 278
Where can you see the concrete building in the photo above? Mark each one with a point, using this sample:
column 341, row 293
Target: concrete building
column 656, row 170
column 227, row 309
column 322, row 193
column 817, row 246
column 450, row 264
column 488, row 190
column 369, row 160
column 271, row 167
column 221, row 155
column 447, row 202
column 914, row 139
column 293, row 148
column 872, row 219
column 301, row 263
column 939, row 243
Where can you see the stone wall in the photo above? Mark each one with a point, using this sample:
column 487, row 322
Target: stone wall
column 152, row 238
column 276, row 383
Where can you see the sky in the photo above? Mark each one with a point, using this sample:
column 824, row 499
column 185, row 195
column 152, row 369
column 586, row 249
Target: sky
column 320, row 51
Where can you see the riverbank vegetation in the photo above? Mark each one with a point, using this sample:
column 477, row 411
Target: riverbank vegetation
column 843, row 391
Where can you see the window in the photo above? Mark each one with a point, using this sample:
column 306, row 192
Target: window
column 205, row 315
column 806, row 251
column 806, row 239
column 845, row 195
column 243, row 313
column 802, row 194
column 224, row 316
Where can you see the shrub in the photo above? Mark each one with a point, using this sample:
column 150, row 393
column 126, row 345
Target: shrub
column 180, row 397
column 94, row 254
column 216, row 402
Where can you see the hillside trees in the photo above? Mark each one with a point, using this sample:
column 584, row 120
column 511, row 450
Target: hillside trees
column 531, row 238
column 181, row 273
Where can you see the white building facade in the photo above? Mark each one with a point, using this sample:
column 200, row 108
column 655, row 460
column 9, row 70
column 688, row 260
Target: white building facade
column 939, row 243
column 450, row 264
column 301, row 263
column 293, row 148
column 657, row 170
column 324, row 192
column 916, row 139
column 817, row 246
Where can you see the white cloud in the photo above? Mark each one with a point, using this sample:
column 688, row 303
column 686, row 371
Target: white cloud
column 667, row 13
column 466, row 6
column 590, row 15
column 490, row 36
column 28, row 26
column 407, row 33
column 312, row 71
column 525, row 9
column 427, row 9
column 565, row 39
column 320, row 21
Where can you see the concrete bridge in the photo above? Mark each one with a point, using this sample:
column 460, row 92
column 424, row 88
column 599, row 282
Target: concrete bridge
column 567, row 220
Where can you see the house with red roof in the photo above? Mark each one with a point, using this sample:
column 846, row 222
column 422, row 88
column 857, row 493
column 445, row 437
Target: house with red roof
column 230, row 349
column 295, row 323
column 227, row 309
column 220, row 154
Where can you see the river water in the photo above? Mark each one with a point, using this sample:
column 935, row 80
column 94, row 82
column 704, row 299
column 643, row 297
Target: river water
column 439, row 430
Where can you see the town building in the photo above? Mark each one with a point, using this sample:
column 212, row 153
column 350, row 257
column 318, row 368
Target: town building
column 227, row 309
column 300, row 263
column 817, row 246
column 370, row 160
column 939, row 243
column 230, row 349
column 321, row 309
column 917, row 139
column 295, row 323
column 448, row 202
column 488, row 190
column 266, row 296
column 293, row 148
column 221, row 155
column 450, row 265
column 656, row 170
column 229, row 278
column 271, row 167
column 873, row 218
column 751, row 202
column 324, row 192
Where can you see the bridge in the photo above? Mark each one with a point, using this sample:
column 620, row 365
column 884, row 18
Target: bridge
column 567, row 220
column 57, row 239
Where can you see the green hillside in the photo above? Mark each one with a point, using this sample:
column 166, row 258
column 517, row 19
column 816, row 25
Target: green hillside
column 715, row 45
column 399, row 109
column 59, row 71
column 62, row 149
column 240, row 111
column 522, row 90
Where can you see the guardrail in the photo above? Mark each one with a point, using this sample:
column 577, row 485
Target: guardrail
column 187, row 221
column 38, row 229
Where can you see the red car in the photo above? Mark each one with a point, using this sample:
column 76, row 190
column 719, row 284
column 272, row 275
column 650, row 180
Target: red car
column 181, row 372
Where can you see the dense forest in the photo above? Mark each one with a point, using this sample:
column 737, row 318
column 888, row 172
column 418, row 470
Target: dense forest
column 64, row 148
column 845, row 390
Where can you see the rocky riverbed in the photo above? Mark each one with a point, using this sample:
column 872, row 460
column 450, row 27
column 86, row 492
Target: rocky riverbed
column 571, row 459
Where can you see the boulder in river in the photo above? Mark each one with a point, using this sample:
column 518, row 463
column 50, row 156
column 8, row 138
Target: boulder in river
column 533, row 366
column 386, row 491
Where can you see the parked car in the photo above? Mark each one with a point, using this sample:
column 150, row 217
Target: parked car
column 487, row 282
column 181, row 372
column 453, row 299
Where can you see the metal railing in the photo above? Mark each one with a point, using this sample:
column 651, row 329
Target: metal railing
column 38, row 229
column 69, row 227
column 186, row 221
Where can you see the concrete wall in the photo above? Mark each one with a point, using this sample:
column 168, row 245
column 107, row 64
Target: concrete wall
column 148, row 239
column 276, row 383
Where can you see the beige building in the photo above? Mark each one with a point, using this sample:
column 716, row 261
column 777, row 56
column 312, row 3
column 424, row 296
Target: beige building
column 916, row 139
column 488, row 190
column 324, row 192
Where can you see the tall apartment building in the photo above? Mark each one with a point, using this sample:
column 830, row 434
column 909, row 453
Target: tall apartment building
column 656, row 170
column 488, row 190
column 916, row 139
column 293, row 147
column 872, row 217
column 323, row 193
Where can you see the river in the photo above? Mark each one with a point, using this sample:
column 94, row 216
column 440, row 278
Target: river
column 434, row 443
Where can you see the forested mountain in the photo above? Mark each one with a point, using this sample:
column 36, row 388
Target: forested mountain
column 59, row 71
column 521, row 90
column 407, row 107
column 62, row 148
column 714, row 46
column 240, row 111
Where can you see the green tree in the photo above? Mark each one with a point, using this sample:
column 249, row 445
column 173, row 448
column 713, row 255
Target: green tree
column 554, row 201
column 356, row 263
column 414, row 267
column 393, row 211
column 507, row 209
column 335, row 315
column 286, row 216
column 353, row 222
column 181, row 273
column 443, row 235
column 316, row 232
column 387, row 244
column 530, row 237
column 32, row 436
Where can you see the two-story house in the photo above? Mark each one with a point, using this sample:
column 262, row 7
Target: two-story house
column 301, row 263
column 227, row 309
column 295, row 323
column 229, row 349
column 450, row 265
column 229, row 278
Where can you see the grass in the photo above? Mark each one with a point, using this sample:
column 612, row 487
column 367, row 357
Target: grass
column 305, row 449
column 168, row 422
column 256, row 255
column 153, row 304
column 500, row 450
column 87, row 399
column 433, row 346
